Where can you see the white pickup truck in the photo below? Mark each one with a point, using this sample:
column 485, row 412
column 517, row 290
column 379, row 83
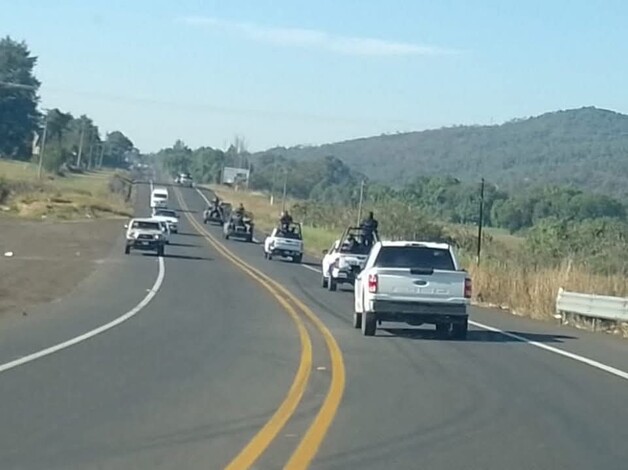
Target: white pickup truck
column 286, row 242
column 345, row 259
column 414, row 283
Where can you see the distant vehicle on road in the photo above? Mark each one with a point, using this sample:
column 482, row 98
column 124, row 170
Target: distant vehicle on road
column 169, row 216
column 345, row 258
column 184, row 179
column 145, row 235
column 414, row 283
column 159, row 198
column 239, row 227
column 286, row 242
column 217, row 216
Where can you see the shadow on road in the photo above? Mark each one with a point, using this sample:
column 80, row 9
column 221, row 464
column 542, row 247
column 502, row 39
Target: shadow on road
column 189, row 245
column 309, row 263
column 477, row 336
column 185, row 234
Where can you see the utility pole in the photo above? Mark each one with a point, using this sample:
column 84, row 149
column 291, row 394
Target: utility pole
column 285, row 186
column 102, row 154
column 360, row 203
column 248, row 175
column 480, row 222
column 272, row 188
column 43, row 146
column 80, row 150
column 91, row 153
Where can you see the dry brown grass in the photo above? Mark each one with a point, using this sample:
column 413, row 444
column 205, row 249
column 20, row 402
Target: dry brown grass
column 532, row 291
column 525, row 290
column 73, row 196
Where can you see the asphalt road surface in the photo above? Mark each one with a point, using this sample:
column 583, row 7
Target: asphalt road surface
column 233, row 359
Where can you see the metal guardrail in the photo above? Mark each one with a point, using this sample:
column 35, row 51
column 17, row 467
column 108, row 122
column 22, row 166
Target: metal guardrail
column 593, row 306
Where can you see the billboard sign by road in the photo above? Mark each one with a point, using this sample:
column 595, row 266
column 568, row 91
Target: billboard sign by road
column 231, row 175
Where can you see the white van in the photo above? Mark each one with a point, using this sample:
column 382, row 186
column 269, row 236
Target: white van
column 159, row 198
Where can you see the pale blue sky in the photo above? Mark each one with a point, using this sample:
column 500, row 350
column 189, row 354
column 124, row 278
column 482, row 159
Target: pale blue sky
column 286, row 72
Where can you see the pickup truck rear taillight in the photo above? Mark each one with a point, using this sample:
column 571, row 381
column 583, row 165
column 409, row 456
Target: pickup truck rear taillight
column 373, row 283
column 468, row 288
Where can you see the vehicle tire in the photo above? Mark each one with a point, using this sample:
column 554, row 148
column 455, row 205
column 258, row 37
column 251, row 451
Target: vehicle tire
column 332, row 285
column 226, row 236
column 127, row 249
column 459, row 330
column 324, row 282
column 160, row 251
column 265, row 255
column 357, row 320
column 297, row 259
column 270, row 256
column 369, row 324
column 443, row 330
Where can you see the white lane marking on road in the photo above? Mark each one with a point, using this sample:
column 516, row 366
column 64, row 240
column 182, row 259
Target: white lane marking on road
column 584, row 360
column 90, row 334
column 560, row 352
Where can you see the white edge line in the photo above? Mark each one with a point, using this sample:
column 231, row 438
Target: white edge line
column 311, row 268
column 560, row 352
column 90, row 334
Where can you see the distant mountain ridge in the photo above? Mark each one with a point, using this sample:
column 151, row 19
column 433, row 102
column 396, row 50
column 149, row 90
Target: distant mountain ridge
column 585, row 147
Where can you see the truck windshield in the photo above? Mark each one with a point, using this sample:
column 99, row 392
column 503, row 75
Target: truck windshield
column 146, row 225
column 414, row 257
column 166, row 213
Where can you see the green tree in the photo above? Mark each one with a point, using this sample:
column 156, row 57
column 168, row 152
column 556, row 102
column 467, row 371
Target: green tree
column 117, row 148
column 19, row 119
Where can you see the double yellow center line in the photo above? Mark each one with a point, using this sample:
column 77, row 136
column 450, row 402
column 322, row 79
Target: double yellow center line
column 298, row 311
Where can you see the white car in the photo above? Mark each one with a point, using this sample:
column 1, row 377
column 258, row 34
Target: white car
column 414, row 283
column 345, row 259
column 145, row 235
column 169, row 216
column 159, row 198
column 285, row 242
column 184, row 179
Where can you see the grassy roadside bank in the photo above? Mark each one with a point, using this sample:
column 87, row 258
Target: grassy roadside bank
column 505, row 278
column 94, row 194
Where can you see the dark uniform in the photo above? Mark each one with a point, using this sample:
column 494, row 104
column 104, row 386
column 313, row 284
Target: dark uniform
column 369, row 227
column 285, row 221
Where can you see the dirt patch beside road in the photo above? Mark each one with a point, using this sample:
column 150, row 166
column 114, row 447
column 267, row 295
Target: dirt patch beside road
column 49, row 258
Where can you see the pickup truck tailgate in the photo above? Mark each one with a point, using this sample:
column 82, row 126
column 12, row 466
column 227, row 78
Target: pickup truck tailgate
column 421, row 285
column 287, row 244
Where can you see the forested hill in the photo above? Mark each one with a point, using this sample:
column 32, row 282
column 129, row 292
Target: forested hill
column 586, row 148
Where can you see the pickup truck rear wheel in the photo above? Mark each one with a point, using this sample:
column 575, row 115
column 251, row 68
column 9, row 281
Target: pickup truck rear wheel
column 324, row 282
column 369, row 324
column 297, row 259
column 331, row 284
column 160, row 251
column 127, row 249
column 357, row 320
column 459, row 330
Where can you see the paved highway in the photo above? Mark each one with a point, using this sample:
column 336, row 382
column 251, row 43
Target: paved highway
column 224, row 365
